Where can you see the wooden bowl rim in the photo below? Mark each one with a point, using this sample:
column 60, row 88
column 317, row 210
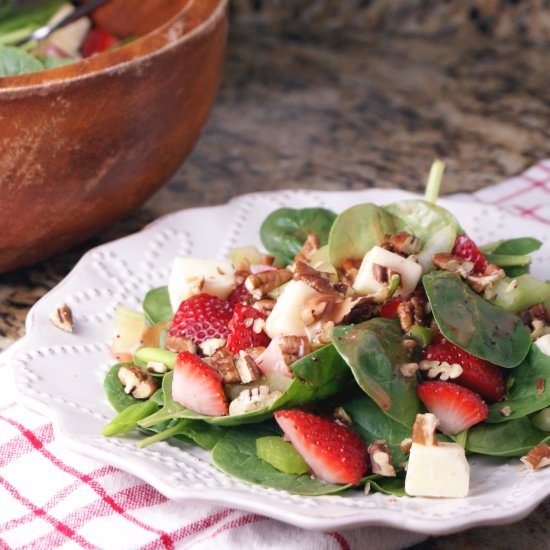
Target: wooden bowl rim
column 13, row 90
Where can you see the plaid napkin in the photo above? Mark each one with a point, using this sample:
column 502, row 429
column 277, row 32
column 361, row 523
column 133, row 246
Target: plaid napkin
column 53, row 498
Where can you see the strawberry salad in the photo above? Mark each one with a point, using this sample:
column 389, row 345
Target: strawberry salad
column 377, row 348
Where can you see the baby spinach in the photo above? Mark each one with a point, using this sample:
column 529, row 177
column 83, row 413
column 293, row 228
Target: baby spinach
column 513, row 247
column 530, row 391
column 387, row 485
column 374, row 351
column 114, row 390
column 372, row 424
column 473, row 324
column 235, row 454
column 156, row 306
column 356, row 230
column 128, row 418
column 285, row 230
column 202, row 434
column 514, row 438
column 318, row 375
column 14, row 61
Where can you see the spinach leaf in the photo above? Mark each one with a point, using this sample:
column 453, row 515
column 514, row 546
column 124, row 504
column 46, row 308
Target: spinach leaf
column 318, row 375
column 202, row 434
column 512, row 247
column 523, row 397
column 285, row 230
column 114, row 390
column 356, row 230
column 514, row 438
column 156, row 306
column 388, row 485
column 473, row 324
column 50, row 62
column 235, row 455
column 526, row 292
column 373, row 350
column 372, row 424
column 14, row 61
column 127, row 419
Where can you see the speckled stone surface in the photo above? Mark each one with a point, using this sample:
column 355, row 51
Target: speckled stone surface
column 322, row 103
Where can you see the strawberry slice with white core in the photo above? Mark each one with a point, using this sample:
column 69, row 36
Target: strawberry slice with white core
column 456, row 407
column 198, row 386
column 333, row 452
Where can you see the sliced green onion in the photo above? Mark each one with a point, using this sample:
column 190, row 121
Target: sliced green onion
column 434, row 181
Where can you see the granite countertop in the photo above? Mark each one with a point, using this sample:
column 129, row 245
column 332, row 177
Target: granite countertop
column 350, row 107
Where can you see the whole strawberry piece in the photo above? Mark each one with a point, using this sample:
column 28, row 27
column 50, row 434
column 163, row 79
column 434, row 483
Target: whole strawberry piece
column 202, row 317
column 477, row 374
column 240, row 295
column 244, row 329
column 333, row 452
column 465, row 248
column 198, row 386
column 456, row 407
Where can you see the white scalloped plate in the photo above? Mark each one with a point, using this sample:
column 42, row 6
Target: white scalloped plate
column 61, row 374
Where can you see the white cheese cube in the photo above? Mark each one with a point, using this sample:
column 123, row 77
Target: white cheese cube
column 409, row 271
column 543, row 343
column 286, row 317
column 192, row 276
column 437, row 471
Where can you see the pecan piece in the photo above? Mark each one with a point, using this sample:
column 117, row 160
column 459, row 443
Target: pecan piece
column 62, row 318
column 408, row 370
column 411, row 312
column 223, row 362
column 405, row 445
column 423, row 432
column 136, row 382
column 362, row 309
column 247, row 368
column 326, row 307
column 538, row 457
column 452, row 263
column 310, row 246
column 318, row 280
column 259, row 284
column 441, row 369
column 380, row 459
column 487, row 279
column 294, row 348
column 403, row 243
column 506, row 411
column 264, row 306
column 211, row 346
column 179, row 343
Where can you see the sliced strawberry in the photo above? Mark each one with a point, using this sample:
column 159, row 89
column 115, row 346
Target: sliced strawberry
column 244, row 333
column 477, row 374
column 465, row 248
column 202, row 317
column 333, row 452
column 456, row 407
column 97, row 41
column 389, row 308
column 198, row 386
column 240, row 295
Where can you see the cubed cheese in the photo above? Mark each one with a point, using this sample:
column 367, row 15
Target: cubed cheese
column 543, row 343
column 409, row 271
column 437, row 471
column 286, row 317
column 191, row 276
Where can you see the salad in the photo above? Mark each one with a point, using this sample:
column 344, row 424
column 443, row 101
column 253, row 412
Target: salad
column 71, row 43
column 372, row 349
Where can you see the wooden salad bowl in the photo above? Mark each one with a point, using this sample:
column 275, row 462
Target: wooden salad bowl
column 84, row 144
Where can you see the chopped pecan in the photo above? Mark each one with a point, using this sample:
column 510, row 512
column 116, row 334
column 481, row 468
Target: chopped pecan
column 247, row 368
column 320, row 333
column 342, row 416
column 380, row 459
column 179, row 343
column 349, row 270
column 310, row 246
column 441, row 369
column 211, row 346
column 318, row 280
column 62, row 318
column 264, row 306
column 156, row 367
column 252, row 399
column 487, row 279
column 408, row 370
column 538, row 311
column 267, row 260
column 326, row 307
column 506, row 411
column 538, row 457
column 294, row 348
column 452, row 263
column 136, row 382
column 423, row 432
column 411, row 312
column 402, row 243
column 405, row 445
column 362, row 309
column 259, row 284
column 223, row 362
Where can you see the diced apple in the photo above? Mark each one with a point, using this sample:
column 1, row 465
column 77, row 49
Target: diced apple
column 129, row 329
column 408, row 270
column 286, row 317
column 245, row 254
column 191, row 276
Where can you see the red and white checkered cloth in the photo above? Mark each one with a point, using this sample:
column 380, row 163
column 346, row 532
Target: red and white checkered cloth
column 53, row 498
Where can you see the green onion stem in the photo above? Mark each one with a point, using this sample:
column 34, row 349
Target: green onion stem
column 434, row 181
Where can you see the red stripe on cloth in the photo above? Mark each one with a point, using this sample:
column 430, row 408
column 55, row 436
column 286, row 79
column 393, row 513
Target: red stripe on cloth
column 96, row 487
column 19, row 445
column 195, row 527
column 236, row 523
column 340, row 539
column 4, row 545
column 61, row 528
column 531, row 212
column 55, row 500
